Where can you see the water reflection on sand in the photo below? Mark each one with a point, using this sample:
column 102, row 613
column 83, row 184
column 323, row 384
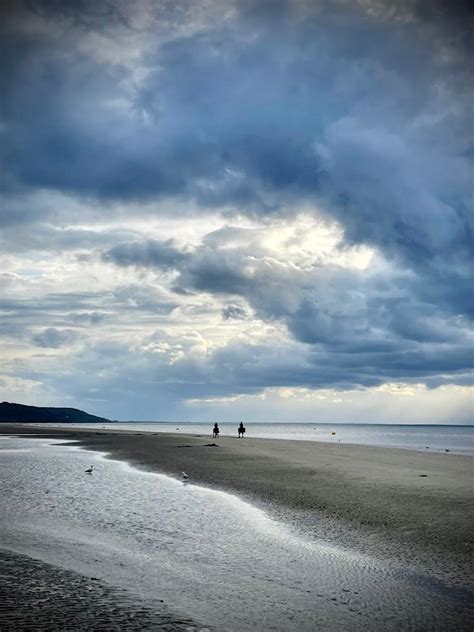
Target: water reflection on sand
column 205, row 553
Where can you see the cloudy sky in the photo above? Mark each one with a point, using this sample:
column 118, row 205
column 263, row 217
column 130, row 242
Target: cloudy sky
column 253, row 209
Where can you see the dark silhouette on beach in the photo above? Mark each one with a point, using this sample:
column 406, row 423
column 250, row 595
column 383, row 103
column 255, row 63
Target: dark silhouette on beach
column 215, row 431
column 241, row 430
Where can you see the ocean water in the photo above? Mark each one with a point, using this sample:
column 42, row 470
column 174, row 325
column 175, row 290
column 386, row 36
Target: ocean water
column 207, row 554
column 434, row 438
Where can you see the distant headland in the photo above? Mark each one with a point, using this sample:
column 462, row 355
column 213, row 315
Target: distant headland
column 20, row 413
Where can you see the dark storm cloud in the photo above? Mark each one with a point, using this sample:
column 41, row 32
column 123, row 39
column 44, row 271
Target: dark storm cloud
column 361, row 115
column 361, row 110
column 239, row 124
column 364, row 326
column 235, row 369
column 451, row 22
column 149, row 254
column 339, row 108
column 84, row 13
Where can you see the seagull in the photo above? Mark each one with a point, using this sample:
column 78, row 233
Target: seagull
column 185, row 476
column 90, row 470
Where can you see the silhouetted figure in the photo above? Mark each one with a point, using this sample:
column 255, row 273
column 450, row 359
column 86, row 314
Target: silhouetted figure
column 215, row 431
column 241, row 430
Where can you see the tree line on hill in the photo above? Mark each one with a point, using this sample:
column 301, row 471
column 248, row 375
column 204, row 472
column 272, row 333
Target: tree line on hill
column 18, row 413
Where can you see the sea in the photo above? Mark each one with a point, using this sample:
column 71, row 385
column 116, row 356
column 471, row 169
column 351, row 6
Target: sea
column 432, row 438
column 205, row 555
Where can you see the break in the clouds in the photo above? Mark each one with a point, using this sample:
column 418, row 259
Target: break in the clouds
column 248, row 208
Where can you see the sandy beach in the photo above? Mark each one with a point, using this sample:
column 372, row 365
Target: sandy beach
column 400, row 504
column 38, row 596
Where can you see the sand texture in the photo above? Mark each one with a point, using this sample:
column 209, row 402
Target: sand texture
column 413, row 506
column 40, row 597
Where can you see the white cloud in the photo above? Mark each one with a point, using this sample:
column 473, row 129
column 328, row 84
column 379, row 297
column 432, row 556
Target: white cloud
column 255, row 207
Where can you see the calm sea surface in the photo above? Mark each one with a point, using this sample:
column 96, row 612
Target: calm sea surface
column 457, row 439
column 207, row 554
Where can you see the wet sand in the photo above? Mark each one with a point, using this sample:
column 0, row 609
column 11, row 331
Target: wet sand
column 42, row 597
column 409, row 506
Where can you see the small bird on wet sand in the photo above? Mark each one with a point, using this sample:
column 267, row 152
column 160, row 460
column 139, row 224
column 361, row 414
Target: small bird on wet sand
column 90, row 470
column 185, row 476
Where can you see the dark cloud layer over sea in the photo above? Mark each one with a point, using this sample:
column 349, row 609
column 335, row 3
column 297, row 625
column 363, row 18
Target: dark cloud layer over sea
column 207, row 200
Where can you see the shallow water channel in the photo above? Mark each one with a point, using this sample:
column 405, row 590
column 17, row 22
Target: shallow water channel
column 205, row 553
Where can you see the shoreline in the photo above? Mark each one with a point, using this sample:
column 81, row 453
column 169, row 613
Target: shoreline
column 410, row 506
column 322, row 433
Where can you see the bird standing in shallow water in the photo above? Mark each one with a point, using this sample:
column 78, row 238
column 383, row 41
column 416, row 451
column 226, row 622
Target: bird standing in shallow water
column 185, row 476
column 90, row 470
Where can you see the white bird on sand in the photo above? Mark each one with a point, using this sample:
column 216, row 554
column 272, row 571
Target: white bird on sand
column 185, row 476
column 90, row 470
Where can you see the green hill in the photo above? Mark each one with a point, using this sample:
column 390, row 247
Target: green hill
column 10, row 412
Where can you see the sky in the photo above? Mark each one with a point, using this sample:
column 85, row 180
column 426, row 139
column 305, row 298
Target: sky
column 255, row 210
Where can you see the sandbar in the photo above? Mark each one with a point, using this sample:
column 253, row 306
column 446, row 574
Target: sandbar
column 410, row 506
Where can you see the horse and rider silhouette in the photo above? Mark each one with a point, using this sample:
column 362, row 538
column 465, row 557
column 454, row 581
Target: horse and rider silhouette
column 240, row 431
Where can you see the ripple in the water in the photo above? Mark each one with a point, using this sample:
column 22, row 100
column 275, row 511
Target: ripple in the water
column 206, row 553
